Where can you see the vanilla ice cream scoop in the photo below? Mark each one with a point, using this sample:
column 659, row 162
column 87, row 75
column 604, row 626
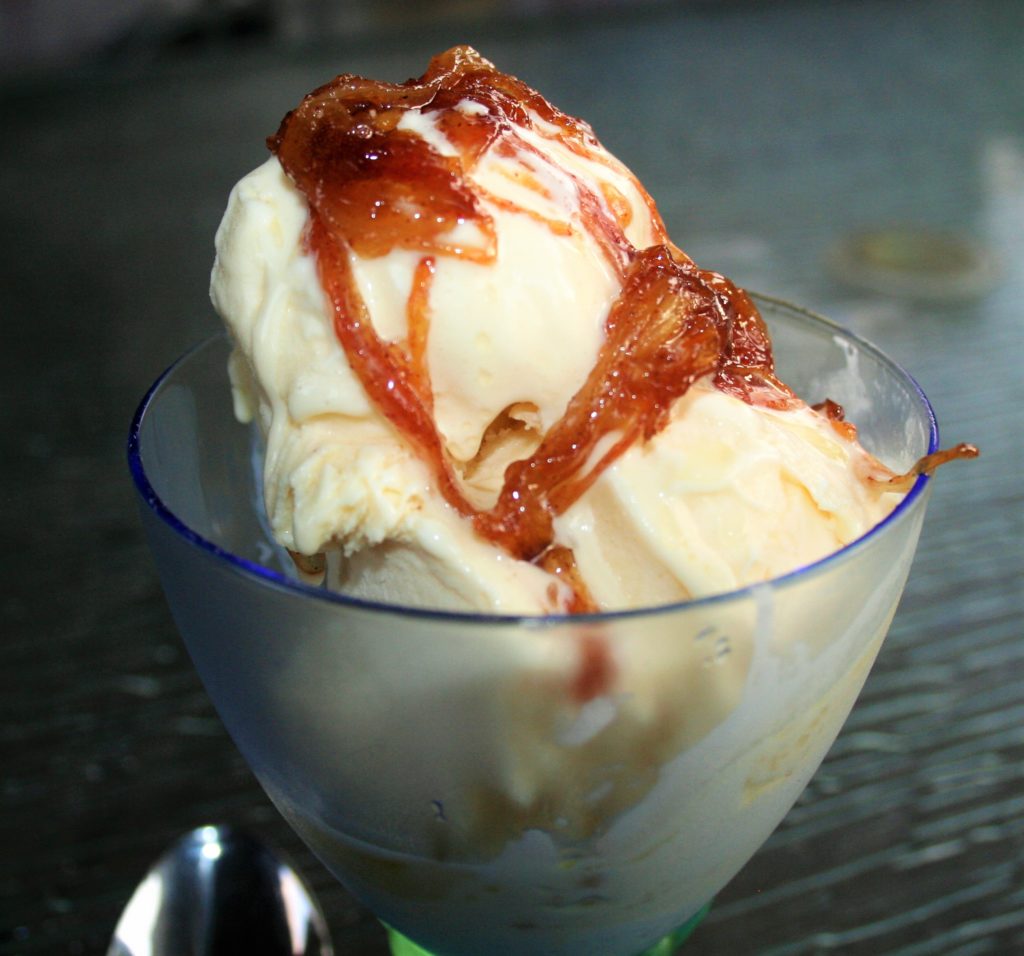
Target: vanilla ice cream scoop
column 487, row 380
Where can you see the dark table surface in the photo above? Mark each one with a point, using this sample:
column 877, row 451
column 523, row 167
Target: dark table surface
column 768, row 133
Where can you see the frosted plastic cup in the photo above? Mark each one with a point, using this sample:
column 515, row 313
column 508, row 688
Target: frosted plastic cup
column 439, row 764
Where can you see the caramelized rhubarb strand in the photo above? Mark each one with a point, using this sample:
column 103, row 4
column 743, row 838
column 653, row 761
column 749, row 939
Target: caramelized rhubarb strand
column 926, row 465
column 836, row 415
column 833, row 411
column 418, row 322
column 618, row 204
column 381, row 366
column 561, row 563
column 599, row 217
column 605, row 230
column 374, row 186
column 382, row 191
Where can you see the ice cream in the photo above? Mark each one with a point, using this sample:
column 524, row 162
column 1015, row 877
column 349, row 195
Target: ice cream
column 431, row 282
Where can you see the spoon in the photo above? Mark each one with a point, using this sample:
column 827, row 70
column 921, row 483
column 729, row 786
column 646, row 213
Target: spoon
column 220, row 891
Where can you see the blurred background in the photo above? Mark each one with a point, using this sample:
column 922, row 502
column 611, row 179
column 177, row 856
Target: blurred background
column 55, row 32
column 862, row 157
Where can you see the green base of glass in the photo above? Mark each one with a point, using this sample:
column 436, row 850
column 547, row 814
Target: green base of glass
column 403, row 946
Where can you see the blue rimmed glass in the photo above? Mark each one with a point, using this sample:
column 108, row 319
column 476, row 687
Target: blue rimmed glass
column 435, row 762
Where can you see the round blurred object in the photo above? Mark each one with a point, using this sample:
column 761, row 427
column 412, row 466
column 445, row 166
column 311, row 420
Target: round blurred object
column 911, row 262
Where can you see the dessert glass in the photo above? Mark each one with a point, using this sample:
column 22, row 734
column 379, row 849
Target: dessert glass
column 433, row 760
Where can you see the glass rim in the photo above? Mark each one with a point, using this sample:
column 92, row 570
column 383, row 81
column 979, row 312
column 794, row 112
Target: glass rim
column 276, row 579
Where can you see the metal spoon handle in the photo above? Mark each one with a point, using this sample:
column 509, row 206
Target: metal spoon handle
column 220, row 891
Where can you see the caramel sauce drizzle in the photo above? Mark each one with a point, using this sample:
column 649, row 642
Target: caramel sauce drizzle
column 418, row 324
column 607, row 230
column 926, row 466
column 373, row 187
column 595, row 673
